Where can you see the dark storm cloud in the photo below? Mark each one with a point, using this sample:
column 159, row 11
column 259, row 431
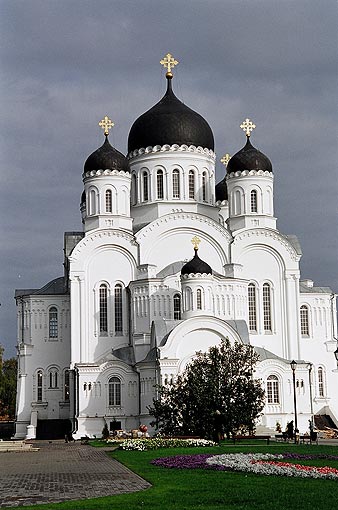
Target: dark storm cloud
column 67, row 63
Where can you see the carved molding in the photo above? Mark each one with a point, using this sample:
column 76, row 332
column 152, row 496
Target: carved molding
column 98, row 173
column 100, row 234
column 172, row 148
column 272, row 234
column 245, row 173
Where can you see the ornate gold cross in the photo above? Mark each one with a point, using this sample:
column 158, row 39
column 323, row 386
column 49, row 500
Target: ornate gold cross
column 247, row 126
column 195, row 241
column 169, row 62
column 225, row 159
column 106, row 123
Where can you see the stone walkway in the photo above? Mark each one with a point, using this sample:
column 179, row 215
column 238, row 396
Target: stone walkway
column 62, row 472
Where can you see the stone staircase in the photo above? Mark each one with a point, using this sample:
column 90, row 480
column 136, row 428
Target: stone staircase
column 262, row 430
column 16, row 446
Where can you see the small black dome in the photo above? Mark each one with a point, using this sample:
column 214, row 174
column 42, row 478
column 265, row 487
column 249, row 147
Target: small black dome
column 249, row 158
column 106, row 157
column 196, row 265
column 170, row 122
column 221, row 190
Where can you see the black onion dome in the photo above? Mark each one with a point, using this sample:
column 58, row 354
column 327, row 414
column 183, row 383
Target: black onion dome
column 221, row 191
column 106, row 157
column 170, row 122
column 249, row 158
column 196, row 265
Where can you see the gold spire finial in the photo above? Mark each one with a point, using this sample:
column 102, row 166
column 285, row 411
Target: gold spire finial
column 106, row 123
column 225, row 159
column 169, row 62
column 247, row 127
column 195, row 241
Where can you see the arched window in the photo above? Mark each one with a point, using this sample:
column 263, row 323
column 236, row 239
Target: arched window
column 253, row 201
column 145, row 187
column 252, row 307
column 199, row 299
column 267, row 307
column 66, row 385
column 159, row 183
column 39, row 380
column 191, row 184
column 272, row 389
column 53, row 322
column 237, row 202
column 103, row 294
column 53, row 378
column 177, row 307
column 133, row 190
column 109, row 201
column 321, row 392
column 92, row 202
column 118, row 308
column 176, row 183
column 304, row 320
column 114, row 391
column 204, row 186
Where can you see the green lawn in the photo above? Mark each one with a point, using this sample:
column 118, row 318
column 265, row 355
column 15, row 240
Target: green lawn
column 196, row 489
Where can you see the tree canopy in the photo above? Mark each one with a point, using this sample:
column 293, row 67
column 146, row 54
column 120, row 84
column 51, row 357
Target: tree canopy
column 216, row 394
column 8, row 372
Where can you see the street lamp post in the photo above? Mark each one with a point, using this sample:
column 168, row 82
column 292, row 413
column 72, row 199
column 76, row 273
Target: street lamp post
column 293, row 368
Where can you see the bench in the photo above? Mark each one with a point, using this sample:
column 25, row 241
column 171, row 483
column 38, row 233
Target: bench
column 307, row 438
column 282, row 437
column 241, row 437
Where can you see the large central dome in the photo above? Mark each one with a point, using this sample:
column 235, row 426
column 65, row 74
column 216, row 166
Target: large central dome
column 170, row 122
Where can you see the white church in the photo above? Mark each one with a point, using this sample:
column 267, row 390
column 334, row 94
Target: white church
column 168, row 264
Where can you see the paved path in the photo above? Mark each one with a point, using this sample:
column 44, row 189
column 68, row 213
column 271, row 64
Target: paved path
column 60, row 472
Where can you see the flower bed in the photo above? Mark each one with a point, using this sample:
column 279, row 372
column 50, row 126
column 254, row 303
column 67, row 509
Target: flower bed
column 263, row 464
column 154, row 444
column 267, row 464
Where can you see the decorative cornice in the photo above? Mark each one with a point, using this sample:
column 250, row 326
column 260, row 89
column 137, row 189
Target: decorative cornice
column 273, row 234
column 98, row 173
column 184, row 216
column 99, row 234
column 246, row 173
column 196, row 275
column 172, row 148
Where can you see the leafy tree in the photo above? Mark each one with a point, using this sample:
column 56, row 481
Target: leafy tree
column 8, row 373
column 216, row 394
column 105, row 432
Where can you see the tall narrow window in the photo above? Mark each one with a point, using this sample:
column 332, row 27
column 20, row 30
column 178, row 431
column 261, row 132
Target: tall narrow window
column 272, row 389
column 118, row 308
column 92, row 202
column 204, row 186
column 66, row 385
column 267, row 307
column 252, row 307
column 109, row 201
column 199, row 299
column 39, row 380
column 53, row 379
column 114, row 391
column 320, row 382
column 177, row 307
column 133, row 190
column 176, row 184
column 159, row 183
column 103, row 309
column 304, row 320
column 145, row 187
column 53, row 322
column 253, row 201
column 191, row 184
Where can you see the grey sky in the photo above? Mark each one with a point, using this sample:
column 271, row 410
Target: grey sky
column 65, row 64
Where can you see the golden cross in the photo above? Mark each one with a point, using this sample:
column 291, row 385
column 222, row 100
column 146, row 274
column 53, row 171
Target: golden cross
column 247, row 126
column 195, row 241
column 225, row 159
column 106, row 123
column 169, row 62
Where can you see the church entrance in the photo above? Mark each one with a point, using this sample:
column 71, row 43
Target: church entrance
column 53, row 429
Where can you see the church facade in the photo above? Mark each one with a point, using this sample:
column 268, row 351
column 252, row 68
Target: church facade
column 137, row 299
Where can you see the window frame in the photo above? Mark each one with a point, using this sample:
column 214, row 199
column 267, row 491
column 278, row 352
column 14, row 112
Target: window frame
column 177, row 307
column 103, row 309
column 191, row 185
column 253, row 201
column 114, row 391
column 304, row 321
column 118, row 308
column 53, row 323
column 272, row 390
column 160, row 184
column 108, row 201
column 176, row 184
column 252, row 307
column 267, row 308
